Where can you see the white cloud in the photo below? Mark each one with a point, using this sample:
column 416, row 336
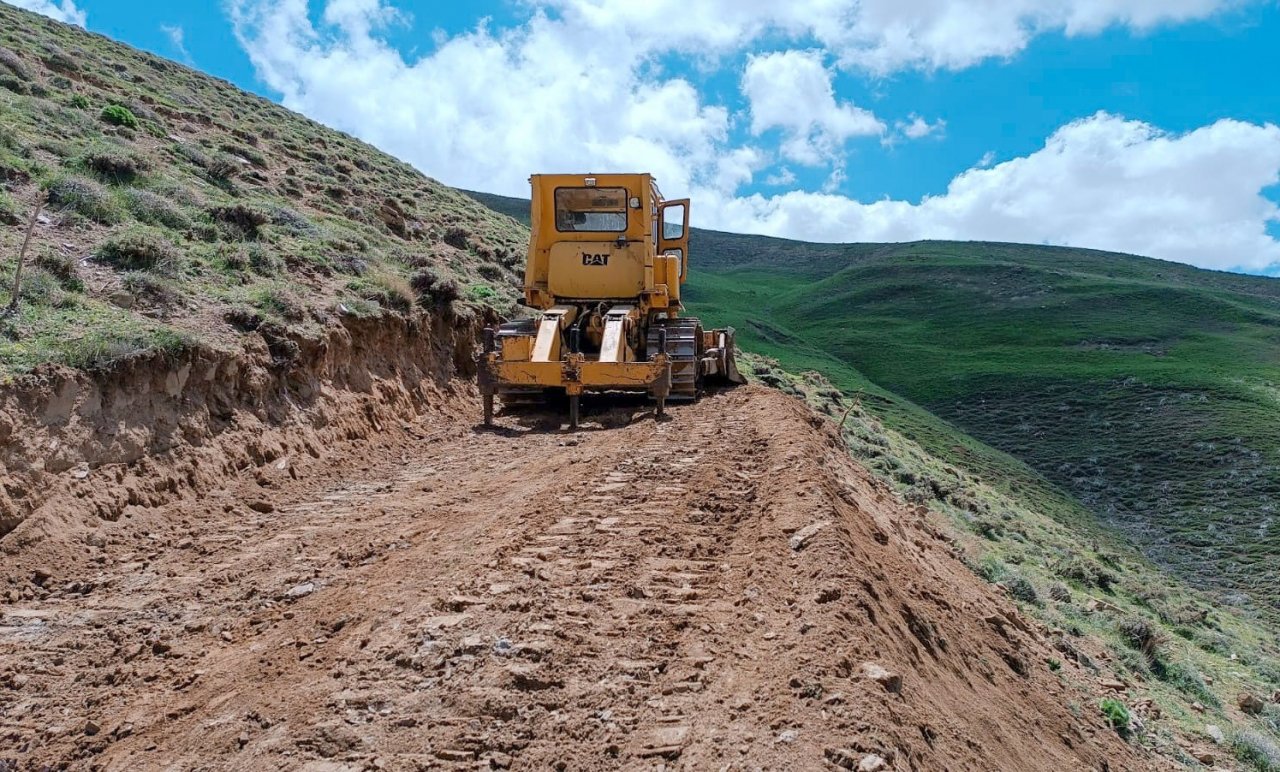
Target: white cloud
column 880, row 35
column 576, row 88
column 487, row 108
column 65, row 10
column 178, row 39
column 1102, row 182
column 784, row 177
column 792, row 91
column 885, row 35
column 919, row 128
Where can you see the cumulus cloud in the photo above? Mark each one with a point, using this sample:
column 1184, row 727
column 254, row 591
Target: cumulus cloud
column 578, row 87
column 1102, row 182
column 792, row 91
column 918, row 128
column 881, row 35
column 486, row 108
column 783, row 178
column 65, row 11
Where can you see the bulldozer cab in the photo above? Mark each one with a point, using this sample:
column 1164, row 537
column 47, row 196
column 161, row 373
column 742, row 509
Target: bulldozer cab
column 609, row 237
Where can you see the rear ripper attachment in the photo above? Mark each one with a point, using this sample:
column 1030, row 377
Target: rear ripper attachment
column 607, row 256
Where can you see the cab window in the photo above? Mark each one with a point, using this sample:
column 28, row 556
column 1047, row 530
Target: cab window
column 591, row 210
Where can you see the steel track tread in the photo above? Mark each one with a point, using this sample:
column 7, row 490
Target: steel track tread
column 683, row 338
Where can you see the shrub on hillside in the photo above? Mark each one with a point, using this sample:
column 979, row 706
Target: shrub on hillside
column 262, row 260
column 243, row 220
column 80, row 102
column 10, row 83
column 97, row 349
column 1144, row 635
column 223, row 167
column 279, row 301
column 1186, row 678
column 193, row 153
column 434, row 289
column 456, row 236
column 386, row 288
column 157, row 290
column 481, row 293
column 85, row 197
column 249, row 154
column 356, row 266
column 1116, row 715
column 154, row 209
column 984, row 527
column 492, row 272
column 246, row 135
column 60, row 61
column 40, row 288
column 13, row 63
column 1182, row 612
column 140, row 248
column 15, row 163
column 118, row 115
column 990, row 568
column 291, row 220
column 1060, row 592
column 1021, row 588
column 111, row 162
column 63, row 268
column 8, row 210
column 234, row 259
column 1089, row 573
column 1271, row 717
column 1256, row 749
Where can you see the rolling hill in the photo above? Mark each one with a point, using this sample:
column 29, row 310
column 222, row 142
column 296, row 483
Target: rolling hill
column 1146, row 389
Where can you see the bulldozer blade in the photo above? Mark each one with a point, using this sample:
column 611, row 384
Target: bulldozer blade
column 724, row 366
column 730, row 361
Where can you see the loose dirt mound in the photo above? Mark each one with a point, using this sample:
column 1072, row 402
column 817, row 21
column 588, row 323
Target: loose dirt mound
column 723, row 590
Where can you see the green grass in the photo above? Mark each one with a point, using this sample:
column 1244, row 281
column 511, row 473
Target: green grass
column 1116, row 715
column 1147, row 390
column 198, row 203
column 1167, row 638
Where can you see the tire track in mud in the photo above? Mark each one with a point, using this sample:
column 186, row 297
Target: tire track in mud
column 698, row 593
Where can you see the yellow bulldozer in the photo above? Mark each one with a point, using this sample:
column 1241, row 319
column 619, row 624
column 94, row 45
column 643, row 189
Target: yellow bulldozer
column 607, row 258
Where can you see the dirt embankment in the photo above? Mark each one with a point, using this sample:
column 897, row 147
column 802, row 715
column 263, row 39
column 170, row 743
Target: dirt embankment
column 78, row 447
column 726, row 589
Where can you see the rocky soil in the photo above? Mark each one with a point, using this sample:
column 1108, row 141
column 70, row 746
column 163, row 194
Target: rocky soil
column 722, row 590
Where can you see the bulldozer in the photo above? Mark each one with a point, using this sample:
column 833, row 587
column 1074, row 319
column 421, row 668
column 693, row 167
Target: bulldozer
column 608, row 256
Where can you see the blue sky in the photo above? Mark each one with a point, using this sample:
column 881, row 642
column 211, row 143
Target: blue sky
column 1143, row 126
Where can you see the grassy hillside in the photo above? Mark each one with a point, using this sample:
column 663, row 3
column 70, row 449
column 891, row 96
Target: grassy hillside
column 183, row 210
column 1146, row 390
column 1106, row 607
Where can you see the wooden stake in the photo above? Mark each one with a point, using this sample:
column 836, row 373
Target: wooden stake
column 22, row 258
column 845, row 417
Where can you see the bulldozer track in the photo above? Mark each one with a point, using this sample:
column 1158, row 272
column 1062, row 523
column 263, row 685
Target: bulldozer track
column 699, row 593
column 684, row 346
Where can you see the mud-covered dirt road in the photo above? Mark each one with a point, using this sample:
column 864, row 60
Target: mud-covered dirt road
column 721, row 590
